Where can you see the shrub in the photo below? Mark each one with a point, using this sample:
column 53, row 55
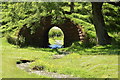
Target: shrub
column 21, row 41
column 16, row 41
column 12, row 40
column 89, row 41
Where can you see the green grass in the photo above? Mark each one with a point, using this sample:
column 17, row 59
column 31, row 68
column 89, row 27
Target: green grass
column 84, row 49
column 10, row 54
column 52, row 40
column 83, row 66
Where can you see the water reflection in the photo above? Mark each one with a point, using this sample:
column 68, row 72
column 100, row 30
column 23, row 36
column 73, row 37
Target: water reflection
column 53, row 46
column 58, row 44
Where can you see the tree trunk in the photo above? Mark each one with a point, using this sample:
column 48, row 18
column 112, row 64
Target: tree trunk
column 98, row 20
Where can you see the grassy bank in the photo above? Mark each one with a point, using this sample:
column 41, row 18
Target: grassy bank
column 83, row 66
column 10, row 54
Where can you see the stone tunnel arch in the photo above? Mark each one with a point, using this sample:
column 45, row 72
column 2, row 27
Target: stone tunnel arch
column 72, row 32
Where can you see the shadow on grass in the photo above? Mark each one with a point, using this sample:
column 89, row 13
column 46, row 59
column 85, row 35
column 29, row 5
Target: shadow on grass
column 83, row 49
column 107, row 49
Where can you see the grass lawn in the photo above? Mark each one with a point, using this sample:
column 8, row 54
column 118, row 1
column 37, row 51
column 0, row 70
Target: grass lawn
column 10, row 54
column 83, row 66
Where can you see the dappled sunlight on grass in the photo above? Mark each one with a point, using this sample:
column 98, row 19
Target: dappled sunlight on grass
column 84, row 66
column 81, row 49
column 10, row 54
column 87, row 66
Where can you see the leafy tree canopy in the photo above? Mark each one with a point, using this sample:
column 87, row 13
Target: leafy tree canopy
column 17, row 14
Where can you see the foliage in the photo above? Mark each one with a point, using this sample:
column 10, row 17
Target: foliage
column 21, row 41
column 12, row 40
column 111, row 17
column 116, row 38
column 15, row 15
column 55, row 32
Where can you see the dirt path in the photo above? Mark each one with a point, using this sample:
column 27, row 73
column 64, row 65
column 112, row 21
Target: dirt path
column 25, row 66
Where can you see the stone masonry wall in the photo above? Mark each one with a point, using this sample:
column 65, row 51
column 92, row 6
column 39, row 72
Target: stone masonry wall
column 72, row 32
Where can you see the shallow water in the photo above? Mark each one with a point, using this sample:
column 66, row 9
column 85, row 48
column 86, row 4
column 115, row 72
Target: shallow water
column 53, row 46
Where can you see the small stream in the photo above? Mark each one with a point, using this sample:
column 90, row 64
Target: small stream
column 58, row 44
column 25, row 66
column 53, row 46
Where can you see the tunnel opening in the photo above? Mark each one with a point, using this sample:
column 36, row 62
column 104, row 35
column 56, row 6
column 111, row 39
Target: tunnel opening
column 56, row 37
column 40, row 38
